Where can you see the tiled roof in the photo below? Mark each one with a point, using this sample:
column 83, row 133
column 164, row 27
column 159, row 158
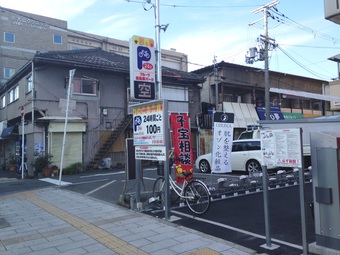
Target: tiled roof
column 94, row 57
column 98, row 58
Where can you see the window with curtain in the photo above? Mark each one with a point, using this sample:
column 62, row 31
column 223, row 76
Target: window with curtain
column 84, row 86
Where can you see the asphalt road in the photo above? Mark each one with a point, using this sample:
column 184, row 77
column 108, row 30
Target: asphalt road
column 238, row 219
column 241, row 220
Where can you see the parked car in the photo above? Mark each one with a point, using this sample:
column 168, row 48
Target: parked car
column 245, row 156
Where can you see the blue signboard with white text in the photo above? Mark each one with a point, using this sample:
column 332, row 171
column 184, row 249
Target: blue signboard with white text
column 275, row 113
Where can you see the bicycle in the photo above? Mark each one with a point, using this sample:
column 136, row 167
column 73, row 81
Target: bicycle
column 25, row 170
column 194, row 192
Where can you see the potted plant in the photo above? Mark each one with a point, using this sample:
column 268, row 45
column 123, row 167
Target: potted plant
column 42, row 164
column 55, row 170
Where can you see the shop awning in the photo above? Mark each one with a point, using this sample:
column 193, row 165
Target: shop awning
column 7, row 132
column 245, row 114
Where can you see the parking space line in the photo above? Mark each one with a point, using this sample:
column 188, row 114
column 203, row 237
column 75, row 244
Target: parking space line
column 238, row 230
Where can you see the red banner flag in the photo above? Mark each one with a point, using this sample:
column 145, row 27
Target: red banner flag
column 181, row 142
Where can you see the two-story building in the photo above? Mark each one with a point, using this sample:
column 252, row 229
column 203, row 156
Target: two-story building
column 99, row 116
column 240, row 90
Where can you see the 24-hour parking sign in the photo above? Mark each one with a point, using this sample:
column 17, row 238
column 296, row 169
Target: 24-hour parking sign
column 148, row 124
column 142, row 68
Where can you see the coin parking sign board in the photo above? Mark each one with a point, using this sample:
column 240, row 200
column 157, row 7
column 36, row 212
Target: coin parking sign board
column 142, row 68
column 148, row 124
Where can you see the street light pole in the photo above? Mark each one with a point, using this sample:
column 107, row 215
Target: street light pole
column 158, row 50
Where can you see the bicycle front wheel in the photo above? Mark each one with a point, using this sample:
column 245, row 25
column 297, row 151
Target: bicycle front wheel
column 158, row 190
column 197, row 197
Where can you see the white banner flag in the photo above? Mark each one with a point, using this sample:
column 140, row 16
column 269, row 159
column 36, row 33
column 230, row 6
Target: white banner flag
column 222, row 142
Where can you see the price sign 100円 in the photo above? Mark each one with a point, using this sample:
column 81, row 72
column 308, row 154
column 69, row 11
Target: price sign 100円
column 148, row 124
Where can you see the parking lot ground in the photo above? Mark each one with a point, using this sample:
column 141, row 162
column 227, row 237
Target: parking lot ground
column 241, row 220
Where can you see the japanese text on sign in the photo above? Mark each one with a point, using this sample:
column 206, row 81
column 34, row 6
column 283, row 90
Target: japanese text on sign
column 281, row 147
column 142, row 68
column 222, row 143
column 150, row 153
column 181, row 140
column 148, row 125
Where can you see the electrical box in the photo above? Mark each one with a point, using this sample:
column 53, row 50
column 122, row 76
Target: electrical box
column 332, row 10
column 325, row 155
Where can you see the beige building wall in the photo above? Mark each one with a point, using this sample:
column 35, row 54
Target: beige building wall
column 34, row 33
column 334, row 90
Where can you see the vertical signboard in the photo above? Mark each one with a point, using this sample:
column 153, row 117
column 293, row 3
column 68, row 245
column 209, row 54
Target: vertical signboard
column 142, row 68
column 281, row 148
column 181, row 142
column 148, row 124
column 222, row 142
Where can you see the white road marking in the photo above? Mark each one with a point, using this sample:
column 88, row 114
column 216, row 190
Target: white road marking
column 56, row 182
column 94, row 175
column 239, row 230
column 148, row 178
column 101, row 187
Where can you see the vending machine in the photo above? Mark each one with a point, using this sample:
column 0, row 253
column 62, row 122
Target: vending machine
column 325, row 155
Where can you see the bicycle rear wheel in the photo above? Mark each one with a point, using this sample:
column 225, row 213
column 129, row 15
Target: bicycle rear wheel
column 158, row 190
column 197, row 197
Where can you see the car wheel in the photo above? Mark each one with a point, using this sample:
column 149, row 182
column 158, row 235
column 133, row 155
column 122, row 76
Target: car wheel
column 253, row 166
column 204, row 166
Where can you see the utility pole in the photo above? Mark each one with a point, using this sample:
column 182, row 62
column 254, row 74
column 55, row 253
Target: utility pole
column 216, row 84
column 266, row 65
column 250, row 59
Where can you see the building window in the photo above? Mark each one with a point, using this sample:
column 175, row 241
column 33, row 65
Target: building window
column 9, row 37
column 14, row 94
column 29, row 84
column 108, row 125
column 72, row 47
column 57, row 39
column 3, row 101
column 8, row 72
column 84, row 86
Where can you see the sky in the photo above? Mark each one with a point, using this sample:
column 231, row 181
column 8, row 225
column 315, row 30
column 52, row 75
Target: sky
column 206, row 30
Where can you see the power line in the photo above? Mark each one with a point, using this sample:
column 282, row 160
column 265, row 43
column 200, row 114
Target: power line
column 278, row 16
column 307, row 46
column 197, row 6
column 320, row 76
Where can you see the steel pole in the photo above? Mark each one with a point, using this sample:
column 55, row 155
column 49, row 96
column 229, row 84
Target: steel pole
column 158, row 51
column 266, row 65
column 22, row 141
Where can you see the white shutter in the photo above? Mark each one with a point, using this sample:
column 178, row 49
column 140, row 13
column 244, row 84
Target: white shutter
column 73, row 148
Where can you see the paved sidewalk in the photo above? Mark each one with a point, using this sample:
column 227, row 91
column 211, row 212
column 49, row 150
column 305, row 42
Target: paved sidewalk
column 57, row 221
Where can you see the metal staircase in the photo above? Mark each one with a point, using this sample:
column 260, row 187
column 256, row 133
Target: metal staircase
column 102, row 152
